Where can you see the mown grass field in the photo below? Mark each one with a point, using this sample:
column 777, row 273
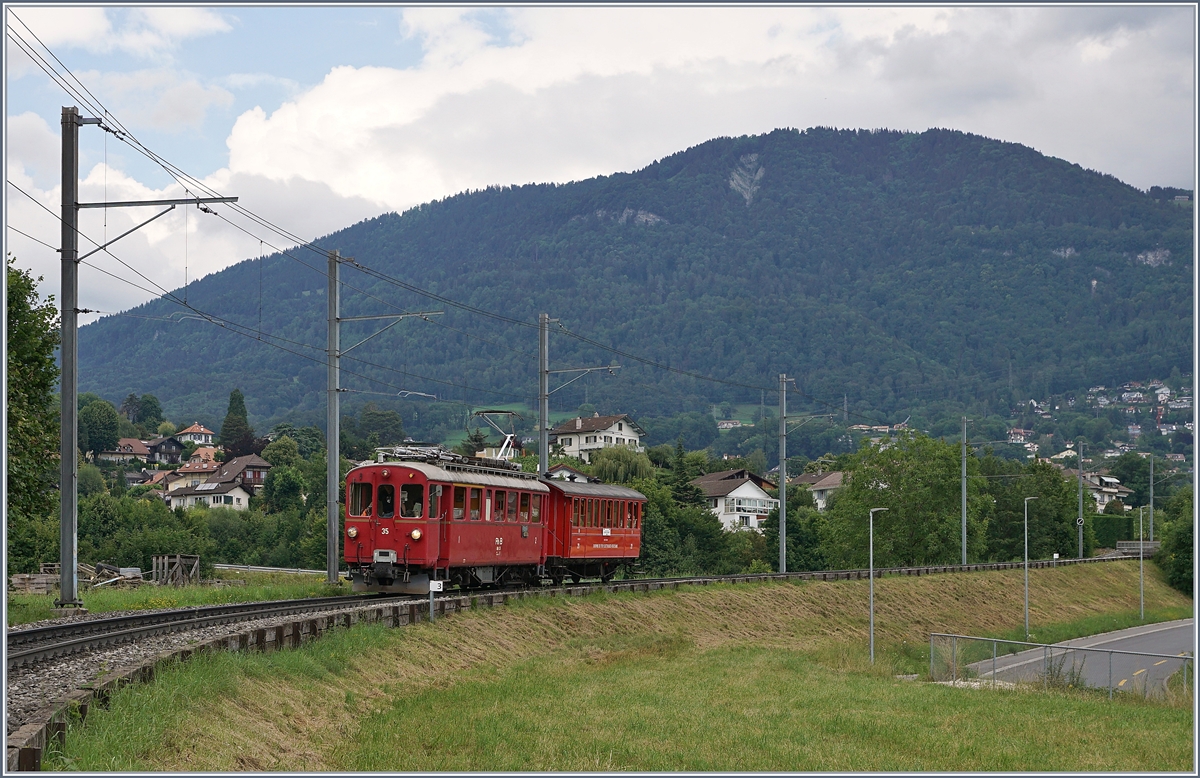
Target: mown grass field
column 26, row 608
column 748, row 677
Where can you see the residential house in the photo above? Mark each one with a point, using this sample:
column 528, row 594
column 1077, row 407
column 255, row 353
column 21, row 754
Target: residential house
column 1103, row 488
column 583, row 436
column 228, row 494
column 1017, row 435
column 128, row 450
column 197, row 433
column 737, row 497
column 166, row 450
column 823, row 488
column 567, row 473
column 728, row 424
column 204, row 454
column 230, row 484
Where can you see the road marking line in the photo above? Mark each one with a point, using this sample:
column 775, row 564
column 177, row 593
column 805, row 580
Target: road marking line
column 1139, row 672
column 1163, row 662
column 1122, row 683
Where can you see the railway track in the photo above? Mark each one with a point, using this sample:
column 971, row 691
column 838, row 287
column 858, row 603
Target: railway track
column 40, row 643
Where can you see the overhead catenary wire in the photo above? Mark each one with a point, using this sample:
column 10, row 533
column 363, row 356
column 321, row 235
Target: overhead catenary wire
column 249, row 331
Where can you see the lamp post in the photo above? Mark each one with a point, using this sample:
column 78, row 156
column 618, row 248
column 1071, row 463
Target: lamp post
column 1027, row 499
column 1141, row 569
column 871, row 572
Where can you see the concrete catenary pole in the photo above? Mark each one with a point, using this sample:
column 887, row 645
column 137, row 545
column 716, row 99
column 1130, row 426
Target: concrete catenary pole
column 783, row 473
column 964, row 490
column 69, row 388
column 333, row 425
column 543, row 393
column 1151, row 497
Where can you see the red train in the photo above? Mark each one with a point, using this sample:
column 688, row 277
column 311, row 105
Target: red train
column 422, row 514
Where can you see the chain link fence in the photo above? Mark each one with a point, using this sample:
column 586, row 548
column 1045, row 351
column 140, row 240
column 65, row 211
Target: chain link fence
column 979, row 661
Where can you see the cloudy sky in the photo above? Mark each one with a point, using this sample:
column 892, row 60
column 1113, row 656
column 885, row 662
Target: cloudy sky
column 320, row 117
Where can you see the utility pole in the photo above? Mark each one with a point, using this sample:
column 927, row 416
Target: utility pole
column 68, row 450
column 783, row 379
column 69, row 385
column 333, row 423
column 845, row 408
column 333, row 405
column 964, row 490
column 544, row 392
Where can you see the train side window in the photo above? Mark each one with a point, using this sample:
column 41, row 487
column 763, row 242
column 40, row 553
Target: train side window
column 586, row 519
column 360, row 499
column 536, row 508
column 412, row 498
column 387, row 501
column 476, row 499
column 637, row 515
column 512, row 506
column 460, row 501
column 608, row 513
column 592, row 513
column 574, row 511
column 524, row 507
column 629, row 515
column 435, row 500
column 498, row 506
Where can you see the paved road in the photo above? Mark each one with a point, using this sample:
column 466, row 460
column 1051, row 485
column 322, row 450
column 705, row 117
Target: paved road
column 1128, row 673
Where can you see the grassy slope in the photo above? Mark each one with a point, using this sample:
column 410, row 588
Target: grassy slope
column 748, row 677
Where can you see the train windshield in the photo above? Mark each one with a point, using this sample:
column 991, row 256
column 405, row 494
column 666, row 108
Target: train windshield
column 411, row 501
column 387, row 501
column 360, row 499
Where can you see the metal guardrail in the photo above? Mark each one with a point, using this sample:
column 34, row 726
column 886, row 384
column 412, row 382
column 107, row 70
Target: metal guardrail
column 1050, row 670
column 261, row 569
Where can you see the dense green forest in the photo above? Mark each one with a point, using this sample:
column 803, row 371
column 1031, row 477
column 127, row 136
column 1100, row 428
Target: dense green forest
column 932, row 273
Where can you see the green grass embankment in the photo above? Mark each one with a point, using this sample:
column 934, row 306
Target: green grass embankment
column 748, row 677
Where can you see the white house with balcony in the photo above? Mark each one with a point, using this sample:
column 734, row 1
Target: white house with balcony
column 583, row 436
column 738, row 498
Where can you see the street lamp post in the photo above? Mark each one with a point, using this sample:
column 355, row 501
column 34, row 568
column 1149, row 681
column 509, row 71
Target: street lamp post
column 871, row 572
column 1027, row 499
column 1141, row 569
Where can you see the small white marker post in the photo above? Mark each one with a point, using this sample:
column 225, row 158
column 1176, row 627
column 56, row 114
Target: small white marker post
column 434, row 586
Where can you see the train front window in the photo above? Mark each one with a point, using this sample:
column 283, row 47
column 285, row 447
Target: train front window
column 387, row 501
column 435, row 499
column 476, row 499
column 537, row 509
column 460, row 501
column 360, row 499
column 411, row 501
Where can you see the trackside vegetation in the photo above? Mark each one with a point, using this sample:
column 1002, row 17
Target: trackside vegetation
column 769, row 676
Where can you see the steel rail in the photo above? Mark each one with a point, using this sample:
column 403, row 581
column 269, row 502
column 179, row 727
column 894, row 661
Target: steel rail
column 61, row 639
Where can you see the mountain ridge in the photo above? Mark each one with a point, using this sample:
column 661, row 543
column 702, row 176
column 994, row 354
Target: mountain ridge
column 909, row 271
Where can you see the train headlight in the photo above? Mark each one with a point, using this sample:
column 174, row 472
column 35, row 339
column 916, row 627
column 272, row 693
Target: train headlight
column 415, row 534
column 352, row 532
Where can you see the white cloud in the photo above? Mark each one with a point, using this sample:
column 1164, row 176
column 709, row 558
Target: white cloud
column 561, row 93
column 143, row 32
column 163, row 98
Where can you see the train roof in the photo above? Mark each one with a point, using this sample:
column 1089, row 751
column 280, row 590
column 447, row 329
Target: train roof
column 581, row 489
column 470, row 475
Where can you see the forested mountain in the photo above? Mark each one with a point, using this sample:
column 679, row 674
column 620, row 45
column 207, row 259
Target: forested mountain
column 910, row 272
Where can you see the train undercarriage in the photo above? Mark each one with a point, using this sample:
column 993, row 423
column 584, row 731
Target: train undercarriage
column 395, row 578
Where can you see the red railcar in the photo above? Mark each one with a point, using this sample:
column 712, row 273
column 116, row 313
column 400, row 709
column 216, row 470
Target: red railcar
column 431, row 515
